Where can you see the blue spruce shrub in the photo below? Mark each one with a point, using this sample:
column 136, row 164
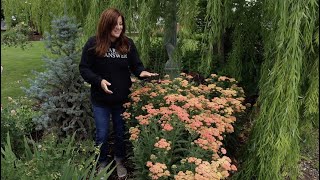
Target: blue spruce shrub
column 60, row 91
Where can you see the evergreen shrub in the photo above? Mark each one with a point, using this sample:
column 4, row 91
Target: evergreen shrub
column 62, row 95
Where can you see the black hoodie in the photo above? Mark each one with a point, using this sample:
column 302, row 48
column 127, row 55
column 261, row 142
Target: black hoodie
column 114, row 67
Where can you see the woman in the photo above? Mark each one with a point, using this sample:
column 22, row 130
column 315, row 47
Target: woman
column 108, row 58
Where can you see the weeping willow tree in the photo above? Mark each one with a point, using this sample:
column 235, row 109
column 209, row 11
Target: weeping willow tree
column 216, row 19
column 78, row 9
column 187, row 13
column 274, row 151
column 309, row 110
column 37, row 13
column 245, row 55
column 145, row 26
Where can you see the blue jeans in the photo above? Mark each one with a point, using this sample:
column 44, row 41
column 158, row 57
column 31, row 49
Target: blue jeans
column 102, row 121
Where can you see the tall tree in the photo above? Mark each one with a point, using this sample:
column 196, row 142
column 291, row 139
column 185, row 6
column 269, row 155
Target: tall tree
column 274, row 151
column 216, row 19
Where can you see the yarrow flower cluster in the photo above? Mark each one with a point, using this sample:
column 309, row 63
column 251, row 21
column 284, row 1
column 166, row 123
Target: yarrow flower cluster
column 157, row 170
column 134, row 131
column 163, row 144
column 186, row 118
column 207, row 170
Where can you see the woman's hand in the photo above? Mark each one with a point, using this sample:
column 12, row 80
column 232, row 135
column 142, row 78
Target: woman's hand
column 104, row 85
column 147, row 74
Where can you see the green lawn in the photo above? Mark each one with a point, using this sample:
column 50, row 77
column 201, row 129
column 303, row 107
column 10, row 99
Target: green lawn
column 18, row 65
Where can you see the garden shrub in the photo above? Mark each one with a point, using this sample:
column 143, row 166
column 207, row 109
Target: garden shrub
column 61, row 92
column 190, row 61
column 17, row 36
column 189, row 54
column 16, row 119
column 177, row 127
column 158, row 55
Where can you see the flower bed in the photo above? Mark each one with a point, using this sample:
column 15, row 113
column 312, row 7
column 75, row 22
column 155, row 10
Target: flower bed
column 177, row 127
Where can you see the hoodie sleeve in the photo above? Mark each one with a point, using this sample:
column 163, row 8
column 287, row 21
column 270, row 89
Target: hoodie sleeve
column 86, row 65
column 135, row 64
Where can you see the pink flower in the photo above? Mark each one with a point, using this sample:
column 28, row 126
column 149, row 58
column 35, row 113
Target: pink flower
column 143, row 120
column 163, row 144
column 149, row 164
column 157, row 170
column 233, row 168
column 153, row 94
column 167, row 127
column 188, row 175
column 184, row 83
column 126, row 115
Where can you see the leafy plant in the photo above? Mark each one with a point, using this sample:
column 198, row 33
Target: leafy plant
column 9, row 161
column 16, row 119
column 18, row 36
column 158, row 56
column 42, row 161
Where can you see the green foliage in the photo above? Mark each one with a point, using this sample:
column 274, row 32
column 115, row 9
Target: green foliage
column 145, row 17
column 216, row 19
column 16, row 36
column 145, row 27
column 62, row 95
column 312, row 94
column 245, row 58
column 188, row 53
column 309, row 111
column 274, row 151
column 38, row 14
column 16, row 119
column 43, row 160
column 8, row 161
column 71, row 171
column 92, row 19
column 16, row 12
column 78, row 9
column 187, row 15
column 158, row 56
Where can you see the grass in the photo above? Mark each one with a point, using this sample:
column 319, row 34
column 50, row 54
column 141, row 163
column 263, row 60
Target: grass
column 18, row 65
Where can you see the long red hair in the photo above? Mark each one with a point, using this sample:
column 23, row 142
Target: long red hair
column 107, row 22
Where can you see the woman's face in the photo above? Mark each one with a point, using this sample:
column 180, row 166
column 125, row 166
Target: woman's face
column 115, row 33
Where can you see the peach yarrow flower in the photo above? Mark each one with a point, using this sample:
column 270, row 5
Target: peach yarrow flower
column 157, row 170
column 163, row 144
column 134, row 131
